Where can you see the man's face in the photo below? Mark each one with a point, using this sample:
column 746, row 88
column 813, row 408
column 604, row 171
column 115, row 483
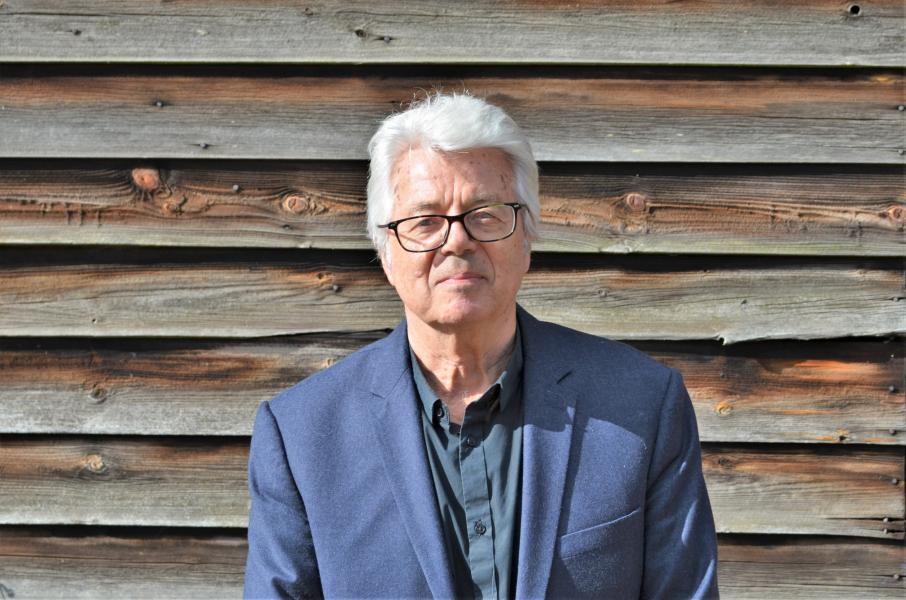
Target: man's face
column 464, row 282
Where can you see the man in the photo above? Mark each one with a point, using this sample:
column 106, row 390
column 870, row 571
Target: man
column 475, row 451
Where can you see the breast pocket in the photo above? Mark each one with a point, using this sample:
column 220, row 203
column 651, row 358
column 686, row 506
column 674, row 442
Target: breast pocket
column 602, row 560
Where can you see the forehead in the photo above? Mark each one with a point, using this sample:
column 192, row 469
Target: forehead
column 424, row 179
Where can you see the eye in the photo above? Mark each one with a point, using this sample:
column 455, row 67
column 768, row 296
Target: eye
column 484, row 215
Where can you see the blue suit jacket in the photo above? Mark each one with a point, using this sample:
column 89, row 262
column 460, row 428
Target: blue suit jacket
column 613, row 500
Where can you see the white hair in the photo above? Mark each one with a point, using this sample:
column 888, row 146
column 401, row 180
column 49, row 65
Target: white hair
column 448, row 123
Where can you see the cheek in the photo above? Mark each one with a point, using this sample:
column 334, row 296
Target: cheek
column 417, row 273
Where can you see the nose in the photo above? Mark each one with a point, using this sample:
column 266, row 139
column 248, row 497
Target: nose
column 458, row 240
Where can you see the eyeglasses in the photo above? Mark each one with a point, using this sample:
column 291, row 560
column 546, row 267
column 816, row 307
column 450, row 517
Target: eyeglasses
column 423, row 233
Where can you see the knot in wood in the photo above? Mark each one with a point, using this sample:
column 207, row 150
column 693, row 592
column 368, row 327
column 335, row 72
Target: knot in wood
column 724, row 408
column 174, row 207
column 636, row 202
column 97, row 394
column 896, row 213
column 297, row 204
column 146, row 179
column 94, row 463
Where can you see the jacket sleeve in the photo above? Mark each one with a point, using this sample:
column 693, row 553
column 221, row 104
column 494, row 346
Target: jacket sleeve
column 680, row 539
column 281, row 558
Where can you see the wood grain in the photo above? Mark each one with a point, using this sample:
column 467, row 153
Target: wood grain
column 654, row 298
column 109, row 480
column 41, row 562
column 806, row 490
column 600, row 32
column 768, row 392
column 809, row 568
column 632, row 115
column 103, row 562
column 815, row 211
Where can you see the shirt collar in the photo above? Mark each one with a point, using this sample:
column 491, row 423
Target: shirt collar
column 509, row 381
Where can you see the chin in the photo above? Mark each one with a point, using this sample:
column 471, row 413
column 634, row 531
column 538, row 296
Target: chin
column 464, row 312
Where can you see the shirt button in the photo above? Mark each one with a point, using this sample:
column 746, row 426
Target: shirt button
column 471, row 441
column 480, row 528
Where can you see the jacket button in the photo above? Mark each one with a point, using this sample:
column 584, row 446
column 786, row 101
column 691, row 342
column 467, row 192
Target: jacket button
column 480, row 528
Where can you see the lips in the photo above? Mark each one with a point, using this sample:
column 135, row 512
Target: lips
column 463, row 277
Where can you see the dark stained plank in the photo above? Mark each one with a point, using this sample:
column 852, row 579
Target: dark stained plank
column 629, row 299
column 67, row 562
column 107, row 562
column 809, row 568
column 631, row 115
column 835, row 392
column 148, row 387
column 839, row 393
column 702, row 208
column 820, row 32
column 201, row 482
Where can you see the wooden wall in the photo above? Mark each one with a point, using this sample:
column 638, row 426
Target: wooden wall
column 181, row 236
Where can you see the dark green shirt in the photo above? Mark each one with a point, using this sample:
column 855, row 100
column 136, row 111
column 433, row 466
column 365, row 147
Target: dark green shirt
column 476, row 469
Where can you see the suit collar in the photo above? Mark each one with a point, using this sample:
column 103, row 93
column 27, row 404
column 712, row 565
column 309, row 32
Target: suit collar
column 397, row 427
column 546, row 439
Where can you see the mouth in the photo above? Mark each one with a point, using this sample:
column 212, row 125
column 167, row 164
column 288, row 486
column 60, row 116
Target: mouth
column 462, row 278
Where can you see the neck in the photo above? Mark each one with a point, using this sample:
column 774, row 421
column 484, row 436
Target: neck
column 461, row 363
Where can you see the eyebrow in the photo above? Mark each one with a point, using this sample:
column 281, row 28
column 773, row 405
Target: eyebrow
column 432, row 207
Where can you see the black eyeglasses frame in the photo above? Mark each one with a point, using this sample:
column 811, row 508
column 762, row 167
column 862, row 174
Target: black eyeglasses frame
column 392, row 225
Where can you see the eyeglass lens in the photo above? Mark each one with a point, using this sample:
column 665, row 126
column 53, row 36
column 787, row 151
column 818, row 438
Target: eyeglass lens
column 485, row 224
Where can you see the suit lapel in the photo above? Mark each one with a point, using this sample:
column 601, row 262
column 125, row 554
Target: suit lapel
column 398, row 430
column 549, row 411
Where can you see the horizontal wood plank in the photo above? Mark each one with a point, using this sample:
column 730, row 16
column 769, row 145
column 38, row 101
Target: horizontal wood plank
column 806, row 490
column 198, row 482
column 631, row 115
column 202, row 483
column 86, row 563
column 628, row 299
column 593, row 32
column 50, row 563
column 809, row 568
column 769, row 392
column 816, row 211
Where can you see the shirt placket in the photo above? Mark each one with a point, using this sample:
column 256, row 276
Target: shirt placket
column 476, row 499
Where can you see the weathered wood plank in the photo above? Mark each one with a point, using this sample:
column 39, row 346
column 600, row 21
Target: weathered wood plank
column 793, row 392
column 806, row 490
column 40, row 562
column 201, row 482
column 767, row 392
column 808, row 568
column 115, row 563
column 629, row 299
column 817, row 211
column 632, row 115
column 197, row 482
column 595, row 32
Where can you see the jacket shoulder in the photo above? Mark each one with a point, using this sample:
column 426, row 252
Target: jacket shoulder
column 331, row 384
column 594, row 351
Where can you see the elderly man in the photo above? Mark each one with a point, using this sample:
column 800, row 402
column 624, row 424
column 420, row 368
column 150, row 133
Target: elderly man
column 475, row 451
